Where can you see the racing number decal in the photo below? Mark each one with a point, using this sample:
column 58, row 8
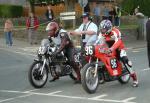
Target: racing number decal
column 113, row 63
column 77, row 57
column 89, row 50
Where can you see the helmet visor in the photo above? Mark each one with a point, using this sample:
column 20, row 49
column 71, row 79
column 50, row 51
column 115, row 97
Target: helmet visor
column 103, row 30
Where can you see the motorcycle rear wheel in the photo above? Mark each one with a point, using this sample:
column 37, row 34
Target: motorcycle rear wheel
column 35, row 78
column 89, row 82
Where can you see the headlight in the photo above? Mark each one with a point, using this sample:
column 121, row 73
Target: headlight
column 51, row 50
column 89, row 50
column 42, row 50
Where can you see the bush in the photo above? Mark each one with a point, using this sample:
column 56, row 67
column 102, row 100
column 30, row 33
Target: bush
column 10, row 11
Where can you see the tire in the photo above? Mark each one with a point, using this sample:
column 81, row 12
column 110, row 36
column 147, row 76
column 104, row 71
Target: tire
column 125, row 77
column 37, row 80
column 89, row 88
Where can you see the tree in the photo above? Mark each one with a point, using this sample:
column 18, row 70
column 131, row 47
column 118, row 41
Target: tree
column 130, row 5
column 31, row 2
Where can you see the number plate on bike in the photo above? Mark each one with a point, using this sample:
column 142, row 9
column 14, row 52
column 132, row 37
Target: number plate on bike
column 113, row 63
column 89, row 50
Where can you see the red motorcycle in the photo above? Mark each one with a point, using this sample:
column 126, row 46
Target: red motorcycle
column 104, row 67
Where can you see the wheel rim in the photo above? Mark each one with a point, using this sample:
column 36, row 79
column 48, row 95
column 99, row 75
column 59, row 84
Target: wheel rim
column 91, row 81
column 37, row 78
column 125, row 77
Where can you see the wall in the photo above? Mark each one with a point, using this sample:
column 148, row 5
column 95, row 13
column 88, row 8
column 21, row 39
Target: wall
column 128, row 35
column 40, row 10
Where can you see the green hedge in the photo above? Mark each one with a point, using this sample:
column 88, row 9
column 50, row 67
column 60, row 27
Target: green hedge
column 10, row 10
column 129, row 6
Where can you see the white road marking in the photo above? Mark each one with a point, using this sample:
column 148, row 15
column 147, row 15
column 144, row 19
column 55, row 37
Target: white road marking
column 17, row 52
column 30, row 90
column 10, row 91
column 9, row 99
column 146, row 69
column 53, row 94
column 135, row 51
column 24, row 53
column 128, row 99
column 99, row 97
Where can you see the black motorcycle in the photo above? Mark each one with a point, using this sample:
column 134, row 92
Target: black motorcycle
column 46, row 64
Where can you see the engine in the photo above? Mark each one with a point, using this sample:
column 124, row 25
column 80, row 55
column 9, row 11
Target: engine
column 62, row 70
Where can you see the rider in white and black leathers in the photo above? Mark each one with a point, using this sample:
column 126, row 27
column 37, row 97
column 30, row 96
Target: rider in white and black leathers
column 61, row 38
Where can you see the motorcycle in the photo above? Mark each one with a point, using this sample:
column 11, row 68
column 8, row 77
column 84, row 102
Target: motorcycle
column 46, row 64
column 106, row 67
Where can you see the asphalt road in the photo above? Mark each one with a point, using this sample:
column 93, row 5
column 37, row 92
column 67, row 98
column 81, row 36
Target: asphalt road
column 15, row 88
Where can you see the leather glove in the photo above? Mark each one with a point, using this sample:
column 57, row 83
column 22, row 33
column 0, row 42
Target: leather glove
column 108, row 51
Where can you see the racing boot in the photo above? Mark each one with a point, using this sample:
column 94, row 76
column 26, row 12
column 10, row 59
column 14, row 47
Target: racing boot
column 78, row 80
column 77, row 70
column 54, row 78
column 133, row 75
column 135, row 81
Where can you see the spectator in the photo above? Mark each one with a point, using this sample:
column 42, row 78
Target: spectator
column 105, row 13
column 111, row 14
column 148, row 40
column 49, row 13
column 96, row 12
column 8, row 32
column 88, row 31
column 136, row 10
column 137, row 13
column 117, row 15
column 32, row 25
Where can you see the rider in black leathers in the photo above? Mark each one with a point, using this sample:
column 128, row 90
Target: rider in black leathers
column 60, row 37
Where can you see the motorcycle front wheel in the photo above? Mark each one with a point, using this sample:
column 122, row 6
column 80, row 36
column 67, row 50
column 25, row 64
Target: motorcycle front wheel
column 88, row 80
column 125, row 77
column 35, row 77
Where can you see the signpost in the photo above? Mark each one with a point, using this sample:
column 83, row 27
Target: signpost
column 83, row 3
column 68, row 16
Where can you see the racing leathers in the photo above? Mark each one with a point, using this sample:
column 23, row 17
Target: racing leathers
column 114, row 42
column 65, row 44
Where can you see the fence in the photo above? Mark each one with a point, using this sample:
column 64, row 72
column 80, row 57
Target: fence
column 19, row 22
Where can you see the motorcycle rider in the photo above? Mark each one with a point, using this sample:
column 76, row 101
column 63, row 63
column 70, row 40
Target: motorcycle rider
column 112, row 37
column 61, row 38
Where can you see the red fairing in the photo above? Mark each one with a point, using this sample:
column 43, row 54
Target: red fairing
column 112, row 64
column 87, row 58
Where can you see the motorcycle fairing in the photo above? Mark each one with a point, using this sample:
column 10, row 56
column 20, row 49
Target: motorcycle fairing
column 112, row 64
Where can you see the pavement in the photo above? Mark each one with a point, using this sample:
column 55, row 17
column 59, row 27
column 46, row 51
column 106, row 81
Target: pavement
column 15, row 87
column 24, row 46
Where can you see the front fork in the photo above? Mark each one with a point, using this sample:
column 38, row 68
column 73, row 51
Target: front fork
column 41, row 69
column 96, row 67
